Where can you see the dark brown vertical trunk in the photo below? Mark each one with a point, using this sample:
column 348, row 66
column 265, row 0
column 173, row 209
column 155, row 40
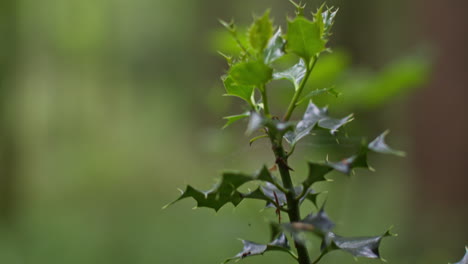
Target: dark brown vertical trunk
column 439, row 115
column 8, row 148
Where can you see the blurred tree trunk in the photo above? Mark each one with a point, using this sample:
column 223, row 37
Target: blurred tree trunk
column 439, row 116
column 8, row 149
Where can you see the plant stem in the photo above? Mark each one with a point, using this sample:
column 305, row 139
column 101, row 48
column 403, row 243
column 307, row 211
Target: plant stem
column 293, row 204
column 266, row 108
column 297, row 94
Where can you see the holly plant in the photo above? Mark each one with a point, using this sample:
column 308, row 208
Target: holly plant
column 249, row 77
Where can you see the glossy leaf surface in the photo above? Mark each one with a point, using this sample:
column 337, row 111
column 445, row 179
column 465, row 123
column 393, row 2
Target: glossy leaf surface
column 280, row 243
column 315, row 115
column 379, row 145
column 304, row 38
column 367, row 247
column 275, row 48
column 295, row 74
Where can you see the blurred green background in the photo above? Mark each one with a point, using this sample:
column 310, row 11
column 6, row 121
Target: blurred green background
column 107, row 106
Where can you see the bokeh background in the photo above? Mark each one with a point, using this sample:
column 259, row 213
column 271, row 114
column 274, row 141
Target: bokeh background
column 108, row 106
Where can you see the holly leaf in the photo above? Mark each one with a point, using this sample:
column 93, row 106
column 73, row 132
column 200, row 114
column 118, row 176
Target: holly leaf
column 464, row 260
column 367, row 247
column 295, row 74
column 304, row 38
column 315, row 115
column 260, row 32
column 318, row 92
column 252, row 73
column 234, row 118
column 316, row 173
column 275, row 48
column 225, row 191
column 345, row 166
column 280, row 243
column 379, row 145
column 275, row 198
column 325, row 20
column 334, row 124
column 255, row 123
column 328, row 17
column 311, row 117
column 319, row 224
column 244, row 92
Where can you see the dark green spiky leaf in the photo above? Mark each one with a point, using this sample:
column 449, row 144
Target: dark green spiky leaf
column 275, row 48
column 316, row 173
column 312, row 116
column 275, row 230
column 280, row 243
column 379, row 145
column 346, row 165
column 295, row 74
column 253, row 73
column 319, row 224
column 317, row 92
column 260, row 32
column 226, row 190
column 275, row 198
column 234, row 118
column 304, row 38
column 464, row 260
column 367, row 247
column 244, row 92
column 222, row 193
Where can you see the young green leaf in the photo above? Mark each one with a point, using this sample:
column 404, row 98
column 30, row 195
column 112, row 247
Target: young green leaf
column 275, row 48
column 325, row 20
column 379, row 145
column 234, row 118
column 295, row 74
column 260, row 32
column 253, row 73
column 318, row 92
column 244, row 92
column 280, row 243
column 304, row 38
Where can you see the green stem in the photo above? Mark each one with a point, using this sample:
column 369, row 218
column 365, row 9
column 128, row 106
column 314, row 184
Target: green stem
column 266, row 108
column 293, row 204
column 297, row 94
